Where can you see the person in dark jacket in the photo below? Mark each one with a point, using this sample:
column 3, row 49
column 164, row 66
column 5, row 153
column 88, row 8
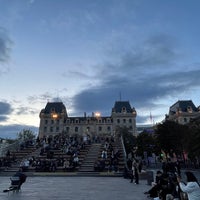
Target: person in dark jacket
column 22, row 177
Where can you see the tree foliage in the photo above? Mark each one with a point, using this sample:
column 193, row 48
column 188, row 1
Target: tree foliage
column 26, row 135
column 128, row 138
column 170, row 136
column 146, row 143
column 192, row 139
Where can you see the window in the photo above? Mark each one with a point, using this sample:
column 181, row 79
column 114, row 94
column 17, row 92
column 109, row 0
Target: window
column 52, row 121
column 124, row 120
column 67, row 129
column 189, row 109
column 52, row 109
column 100, row 128
column 45, row 129
column 118, row 121
column 123, row 109
column 46, row 121
column 108, row 128
column 51, row 129
column 130, row 120
column 76, row 129
column 57, row 129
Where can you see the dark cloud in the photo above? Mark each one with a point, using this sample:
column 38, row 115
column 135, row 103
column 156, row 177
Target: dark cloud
column 5, row 49
column 152, row 54
column 25, row 111
column 142, row 77
column 142, row 94
column 3, row 118
column 5, row 46
column 11, row 131
column 5, row 109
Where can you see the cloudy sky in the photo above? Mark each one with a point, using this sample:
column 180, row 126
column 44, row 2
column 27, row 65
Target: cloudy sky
column 90, row 53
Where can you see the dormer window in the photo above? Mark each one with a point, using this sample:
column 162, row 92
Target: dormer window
column 189, row 109
column 178, row 110
column 124, row 109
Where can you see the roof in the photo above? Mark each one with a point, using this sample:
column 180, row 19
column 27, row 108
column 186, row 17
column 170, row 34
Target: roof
column 122, row 105
column 183, row 106
column 57, row 107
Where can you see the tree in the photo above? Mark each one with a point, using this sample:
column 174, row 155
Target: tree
column 170, row 136
column 146, row 143
column 192, row 139
column 128, row 138
column 26, row 135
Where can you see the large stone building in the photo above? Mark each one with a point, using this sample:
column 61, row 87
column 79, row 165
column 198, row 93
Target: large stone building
column 183, row 111
column 54, row 120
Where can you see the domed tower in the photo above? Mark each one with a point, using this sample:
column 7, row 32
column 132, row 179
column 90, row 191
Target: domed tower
column 52, row 119
column 123, row 115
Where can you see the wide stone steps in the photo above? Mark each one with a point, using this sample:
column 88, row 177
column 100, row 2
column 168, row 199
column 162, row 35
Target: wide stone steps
column 88, row 163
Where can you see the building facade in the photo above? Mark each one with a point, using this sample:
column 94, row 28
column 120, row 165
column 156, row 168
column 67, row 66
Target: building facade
column 183, row 111
column 54, row 120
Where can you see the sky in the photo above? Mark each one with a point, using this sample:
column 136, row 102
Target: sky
column 90, row 53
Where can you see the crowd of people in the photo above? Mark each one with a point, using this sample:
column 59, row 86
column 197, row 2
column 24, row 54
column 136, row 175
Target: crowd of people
column 169, row 184
column 69, row 148
column 109, row 158
column 65, row 153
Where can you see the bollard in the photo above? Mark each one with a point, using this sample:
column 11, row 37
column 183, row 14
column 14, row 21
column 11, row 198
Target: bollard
column 150, row 178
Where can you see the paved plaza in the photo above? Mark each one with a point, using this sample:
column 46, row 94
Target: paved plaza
column 75, row 188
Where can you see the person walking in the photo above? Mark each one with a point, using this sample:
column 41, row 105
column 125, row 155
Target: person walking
column 192, row 187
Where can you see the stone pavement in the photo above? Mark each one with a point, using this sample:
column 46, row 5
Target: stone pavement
column 75, row 188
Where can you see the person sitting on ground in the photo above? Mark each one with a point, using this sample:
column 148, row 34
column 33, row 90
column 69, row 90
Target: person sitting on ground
column 157, row 185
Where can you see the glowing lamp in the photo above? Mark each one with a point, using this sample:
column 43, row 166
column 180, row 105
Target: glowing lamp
column 97, row 114
column 54, row 116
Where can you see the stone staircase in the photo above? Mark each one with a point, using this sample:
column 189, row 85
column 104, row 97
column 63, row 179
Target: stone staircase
column 87, row 165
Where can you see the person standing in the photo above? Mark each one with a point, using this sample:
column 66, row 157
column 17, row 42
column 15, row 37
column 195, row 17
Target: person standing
column 135, row 172
column 192, row 187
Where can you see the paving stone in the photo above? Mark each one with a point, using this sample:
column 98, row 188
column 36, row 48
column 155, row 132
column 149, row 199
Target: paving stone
column 75, row 188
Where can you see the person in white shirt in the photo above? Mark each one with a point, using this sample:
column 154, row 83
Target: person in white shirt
column 192, row 187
